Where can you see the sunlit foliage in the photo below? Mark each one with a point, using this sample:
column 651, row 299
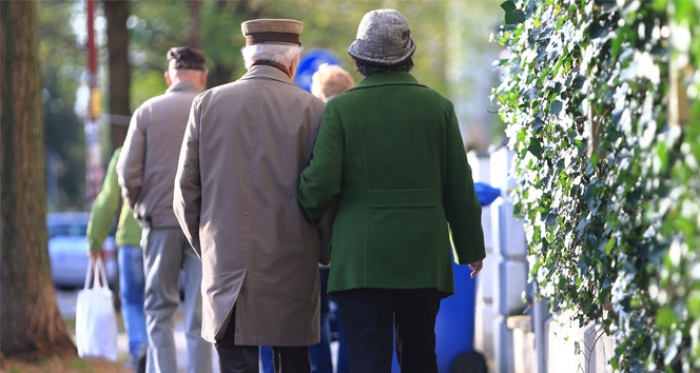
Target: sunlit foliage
column 595, row 95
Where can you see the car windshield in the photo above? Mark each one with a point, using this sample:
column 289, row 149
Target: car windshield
column 75, row 230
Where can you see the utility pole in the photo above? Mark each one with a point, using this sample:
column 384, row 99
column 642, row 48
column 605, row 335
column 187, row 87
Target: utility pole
column 93, row 158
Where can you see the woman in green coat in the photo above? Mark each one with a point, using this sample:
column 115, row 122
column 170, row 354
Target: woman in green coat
column 391, row 153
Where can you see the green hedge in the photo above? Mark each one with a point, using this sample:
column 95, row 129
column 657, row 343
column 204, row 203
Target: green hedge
column 607, row 172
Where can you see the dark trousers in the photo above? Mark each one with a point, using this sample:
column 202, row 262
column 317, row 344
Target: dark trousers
column 370, row 317
column 321, row 361
column 244, row 359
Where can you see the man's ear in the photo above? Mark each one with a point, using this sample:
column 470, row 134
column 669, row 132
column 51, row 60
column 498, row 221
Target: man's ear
column 167, row 78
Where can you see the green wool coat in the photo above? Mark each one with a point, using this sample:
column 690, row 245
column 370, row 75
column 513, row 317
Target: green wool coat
column 391, row 152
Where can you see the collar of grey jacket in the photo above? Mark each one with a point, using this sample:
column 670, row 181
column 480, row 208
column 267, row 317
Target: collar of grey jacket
column 183, row 87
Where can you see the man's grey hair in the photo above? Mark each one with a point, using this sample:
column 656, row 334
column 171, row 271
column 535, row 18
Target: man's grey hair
column 280, row 53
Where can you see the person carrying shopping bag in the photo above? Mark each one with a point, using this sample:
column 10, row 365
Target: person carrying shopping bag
column 129, row 259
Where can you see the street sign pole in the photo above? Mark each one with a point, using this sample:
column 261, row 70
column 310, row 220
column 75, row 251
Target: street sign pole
column 93, row 157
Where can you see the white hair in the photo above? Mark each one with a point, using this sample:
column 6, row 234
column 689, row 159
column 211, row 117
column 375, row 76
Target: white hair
column 281, row 53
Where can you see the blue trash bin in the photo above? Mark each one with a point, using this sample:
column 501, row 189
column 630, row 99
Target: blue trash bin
column 486, row 193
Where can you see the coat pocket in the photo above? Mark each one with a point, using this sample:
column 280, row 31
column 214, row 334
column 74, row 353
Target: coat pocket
column 398, row 198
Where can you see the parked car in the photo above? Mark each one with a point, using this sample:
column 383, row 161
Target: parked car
column 68, row 250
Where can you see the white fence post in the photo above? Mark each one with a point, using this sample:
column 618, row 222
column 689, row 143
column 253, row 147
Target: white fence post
column 510, row 274
column 484, row 312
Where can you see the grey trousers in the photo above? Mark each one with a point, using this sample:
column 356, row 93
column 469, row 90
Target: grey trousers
column 166, row 253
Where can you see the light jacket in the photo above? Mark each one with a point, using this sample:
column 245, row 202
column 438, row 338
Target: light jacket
column 103, row 210
column 391, row 151
column 148, row 162
column 246, row 144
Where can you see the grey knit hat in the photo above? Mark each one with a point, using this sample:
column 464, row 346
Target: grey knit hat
column 383, row 38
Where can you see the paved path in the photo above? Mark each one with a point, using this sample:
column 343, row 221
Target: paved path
column 66, row 300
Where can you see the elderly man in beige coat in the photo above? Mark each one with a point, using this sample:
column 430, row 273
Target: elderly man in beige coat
column 245, row 146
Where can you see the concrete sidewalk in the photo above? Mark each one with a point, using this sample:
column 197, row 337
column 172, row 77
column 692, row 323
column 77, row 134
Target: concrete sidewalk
column 67, row 300
column 180, row 343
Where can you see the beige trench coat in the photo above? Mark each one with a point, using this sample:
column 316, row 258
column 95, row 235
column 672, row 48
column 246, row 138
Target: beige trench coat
column 245, row 146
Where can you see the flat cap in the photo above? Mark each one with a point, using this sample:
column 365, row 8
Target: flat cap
column 272, row 31
column 186, row 58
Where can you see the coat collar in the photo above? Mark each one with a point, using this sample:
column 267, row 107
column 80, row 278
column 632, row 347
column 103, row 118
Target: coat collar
column 183, row 87
column 266, row 72
column 390, row 78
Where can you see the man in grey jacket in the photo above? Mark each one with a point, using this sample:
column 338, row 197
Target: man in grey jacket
column 146, row 172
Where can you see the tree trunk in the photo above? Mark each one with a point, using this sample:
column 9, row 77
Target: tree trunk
column 219, row 74
column 117, row 12
column 29, row 319
column 194, row 24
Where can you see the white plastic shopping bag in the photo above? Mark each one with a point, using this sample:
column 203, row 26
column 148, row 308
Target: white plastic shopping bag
column 95, row 321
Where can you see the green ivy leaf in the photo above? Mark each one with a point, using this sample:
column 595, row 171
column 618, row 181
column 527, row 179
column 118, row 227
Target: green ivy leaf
column 535, row 148
column 610, row 245
column 596, row 30
column 555, row 107
column 537, row 124
column 660, row 5
column 666, row 317
column 694, row 304
column 508, row 6
column 515, row 17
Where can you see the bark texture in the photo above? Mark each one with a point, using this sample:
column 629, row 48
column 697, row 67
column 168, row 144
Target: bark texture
column 29, row 320
column 194, row 24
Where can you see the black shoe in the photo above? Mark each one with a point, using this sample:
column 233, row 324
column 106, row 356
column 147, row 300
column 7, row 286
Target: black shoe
column 140, row 363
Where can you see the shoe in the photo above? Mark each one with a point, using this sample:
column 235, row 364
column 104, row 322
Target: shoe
column 140, row 363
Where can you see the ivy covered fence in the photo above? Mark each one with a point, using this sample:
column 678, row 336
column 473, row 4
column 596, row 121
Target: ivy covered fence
column 601, row 102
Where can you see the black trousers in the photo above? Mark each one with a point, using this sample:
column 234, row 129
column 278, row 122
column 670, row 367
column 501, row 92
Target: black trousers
column 370, row 317
column 244, row 359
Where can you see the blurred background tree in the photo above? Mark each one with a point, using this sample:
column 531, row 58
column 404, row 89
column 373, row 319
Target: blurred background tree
column 62, row 66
